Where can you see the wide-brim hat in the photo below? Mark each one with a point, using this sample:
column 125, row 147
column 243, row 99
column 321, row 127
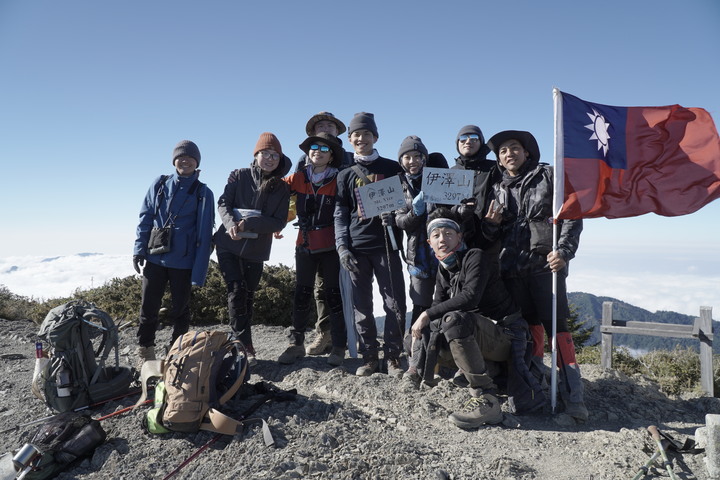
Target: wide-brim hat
column 331, row 141
column 525, row 138
column 310, row 125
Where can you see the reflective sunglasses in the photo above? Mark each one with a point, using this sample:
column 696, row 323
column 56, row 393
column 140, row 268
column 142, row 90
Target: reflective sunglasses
column 472, row 137
column 322, row 148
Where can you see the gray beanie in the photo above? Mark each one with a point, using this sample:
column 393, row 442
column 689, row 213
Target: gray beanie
column 468, row 129
column 363, row 121
column 186, row 148
column 412, row 142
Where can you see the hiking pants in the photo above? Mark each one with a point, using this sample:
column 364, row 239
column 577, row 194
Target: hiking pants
column 533, row 293
column 474, row 338
column 321, row 306
column 155, row 279
column 307, row 267
column 392, row 289
column 242, row 278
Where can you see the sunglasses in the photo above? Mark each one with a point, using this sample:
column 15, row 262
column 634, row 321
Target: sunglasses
column 472, row 137
column 266, row 155
column 322, row 148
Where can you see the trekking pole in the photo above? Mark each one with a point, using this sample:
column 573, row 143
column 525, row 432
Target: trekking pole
column 123, row 410
column 40, row 420
column 661, row 447
column 217, row 437
column 646, row 467
column 396, row 310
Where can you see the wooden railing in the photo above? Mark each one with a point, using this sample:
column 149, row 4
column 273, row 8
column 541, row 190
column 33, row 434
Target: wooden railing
column 701, row 329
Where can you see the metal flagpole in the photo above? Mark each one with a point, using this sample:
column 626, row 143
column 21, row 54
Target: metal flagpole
column 558, row 193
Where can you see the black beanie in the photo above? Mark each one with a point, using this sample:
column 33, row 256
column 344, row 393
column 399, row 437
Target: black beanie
column 186, row 148
column 363, row 121
column 412, row 142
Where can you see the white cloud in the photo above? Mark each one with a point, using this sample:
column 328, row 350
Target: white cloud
column 644, row 282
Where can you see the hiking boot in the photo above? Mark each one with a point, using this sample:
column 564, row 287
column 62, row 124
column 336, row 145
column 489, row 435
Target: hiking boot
column 576, row 410
column 394, row 369
column 478, row 411
column 337, row 355
column 320, row 345
column 292, row 353
column 368, row 368
column 144, row 354
column 252, row 361
column 412, row 377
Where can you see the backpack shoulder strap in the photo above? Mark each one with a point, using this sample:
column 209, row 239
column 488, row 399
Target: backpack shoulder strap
column 361, row 174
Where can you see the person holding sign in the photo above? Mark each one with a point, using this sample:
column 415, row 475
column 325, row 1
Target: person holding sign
column 365, row 246
column 421, row 263
column 314, row 190
column 259, row 189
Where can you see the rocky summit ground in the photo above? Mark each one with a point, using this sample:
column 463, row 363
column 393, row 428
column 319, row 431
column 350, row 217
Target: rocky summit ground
column 344, row 427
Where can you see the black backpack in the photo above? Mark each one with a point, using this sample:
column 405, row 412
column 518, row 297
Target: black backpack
column 77, row 375
column 57, row 443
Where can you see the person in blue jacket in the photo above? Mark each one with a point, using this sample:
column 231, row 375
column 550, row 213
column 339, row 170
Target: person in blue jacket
column 184, row 207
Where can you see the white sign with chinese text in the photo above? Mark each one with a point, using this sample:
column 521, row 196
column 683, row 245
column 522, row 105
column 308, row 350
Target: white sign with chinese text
column 381, row 196
column 447, row 186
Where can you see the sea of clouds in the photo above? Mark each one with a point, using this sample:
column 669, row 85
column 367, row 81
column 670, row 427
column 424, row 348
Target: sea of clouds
column 683, row 292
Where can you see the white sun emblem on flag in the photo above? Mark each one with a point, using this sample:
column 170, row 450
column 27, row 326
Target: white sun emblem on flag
column 599, row 128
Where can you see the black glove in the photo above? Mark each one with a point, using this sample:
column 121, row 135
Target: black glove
column 347, row 260
column 138, row 261
column 388, row 219
column 466, row 209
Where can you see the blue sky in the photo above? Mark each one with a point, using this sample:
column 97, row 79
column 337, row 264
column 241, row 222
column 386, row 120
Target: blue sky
column 96, row 94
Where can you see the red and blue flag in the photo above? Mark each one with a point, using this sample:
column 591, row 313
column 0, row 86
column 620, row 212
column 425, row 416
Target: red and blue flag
column 626, row 161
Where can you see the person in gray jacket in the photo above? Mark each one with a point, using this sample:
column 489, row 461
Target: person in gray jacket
column 173, row 244
column 252, row 207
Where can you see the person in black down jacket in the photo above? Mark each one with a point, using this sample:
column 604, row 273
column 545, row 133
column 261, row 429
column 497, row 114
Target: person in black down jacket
column 253, row 206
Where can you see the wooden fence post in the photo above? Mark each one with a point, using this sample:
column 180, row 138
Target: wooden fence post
column 706, row 355
column 606, row 339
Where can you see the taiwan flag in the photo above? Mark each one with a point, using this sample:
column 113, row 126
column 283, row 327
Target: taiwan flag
column 626, row 161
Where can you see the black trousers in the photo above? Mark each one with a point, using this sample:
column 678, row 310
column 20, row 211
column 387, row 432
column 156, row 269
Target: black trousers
column 155, row 279
column 242, row 278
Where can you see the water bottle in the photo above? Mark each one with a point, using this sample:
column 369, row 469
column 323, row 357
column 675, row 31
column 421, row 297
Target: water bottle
column 63, row 382
column 40, row 372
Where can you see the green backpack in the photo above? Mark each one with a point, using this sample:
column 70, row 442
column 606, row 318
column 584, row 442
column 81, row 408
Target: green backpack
column 77, row 375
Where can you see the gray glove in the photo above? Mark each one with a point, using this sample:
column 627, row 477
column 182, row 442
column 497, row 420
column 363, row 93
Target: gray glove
column 347, row 260
column 138, row 261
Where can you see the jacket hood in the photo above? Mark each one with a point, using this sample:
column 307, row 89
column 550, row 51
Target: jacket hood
column 280, row 171
column 468, row 129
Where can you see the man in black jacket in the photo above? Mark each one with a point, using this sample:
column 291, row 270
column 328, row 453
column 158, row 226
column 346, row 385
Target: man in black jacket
column 365, row 249
column 474, row 313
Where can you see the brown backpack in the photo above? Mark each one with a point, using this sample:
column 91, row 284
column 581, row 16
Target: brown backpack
column 202, row 371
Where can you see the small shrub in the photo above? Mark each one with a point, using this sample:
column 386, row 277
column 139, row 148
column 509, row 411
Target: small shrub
column 676, row 371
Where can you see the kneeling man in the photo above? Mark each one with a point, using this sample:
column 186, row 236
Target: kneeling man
column 475, row 314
